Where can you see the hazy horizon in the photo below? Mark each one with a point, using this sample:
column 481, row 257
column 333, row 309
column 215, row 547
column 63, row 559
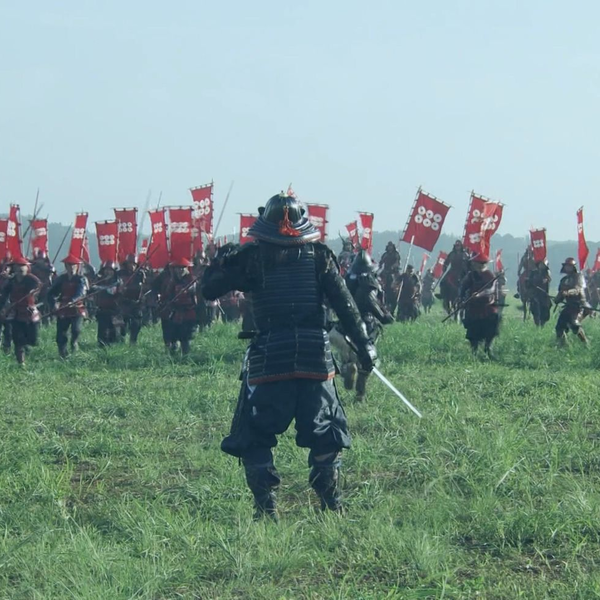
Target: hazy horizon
column 357, row 105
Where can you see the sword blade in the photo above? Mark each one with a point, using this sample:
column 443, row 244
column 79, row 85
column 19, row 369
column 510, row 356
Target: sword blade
column 384, row 380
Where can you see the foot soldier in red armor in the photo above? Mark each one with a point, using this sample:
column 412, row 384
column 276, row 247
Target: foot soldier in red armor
column 5, row 324
column 44, row 270
column 180, row 301
column 289, row 369
column 67, row 294
column 107, row 290
column 478, row 294
column 132, row 290
column 18, row 305
column 571, row 291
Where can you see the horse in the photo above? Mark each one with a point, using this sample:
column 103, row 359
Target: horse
column 449, row 288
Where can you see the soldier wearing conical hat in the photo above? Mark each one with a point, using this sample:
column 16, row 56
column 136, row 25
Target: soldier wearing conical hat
column 67, row 295
column 18, row 304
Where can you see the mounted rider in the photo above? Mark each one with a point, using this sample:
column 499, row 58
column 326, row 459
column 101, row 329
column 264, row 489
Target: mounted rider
column 456, row 266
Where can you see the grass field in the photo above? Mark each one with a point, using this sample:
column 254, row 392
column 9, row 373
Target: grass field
column 112, row 484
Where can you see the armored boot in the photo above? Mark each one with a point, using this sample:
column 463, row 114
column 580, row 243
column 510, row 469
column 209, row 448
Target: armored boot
column 262, row 481
column 324, row 479
column 361, row 385
column 349, row 371
column 581, row 335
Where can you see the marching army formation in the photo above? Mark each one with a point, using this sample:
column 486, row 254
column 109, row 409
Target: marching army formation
column 125, row 297
column 297, row 301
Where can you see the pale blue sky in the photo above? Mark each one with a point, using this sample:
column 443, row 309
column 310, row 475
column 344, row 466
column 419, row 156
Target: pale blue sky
column 356, row 103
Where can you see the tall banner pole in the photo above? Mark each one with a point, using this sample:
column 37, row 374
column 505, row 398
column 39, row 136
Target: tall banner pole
column 412, row 239
column 143, row 220
column 223, row 210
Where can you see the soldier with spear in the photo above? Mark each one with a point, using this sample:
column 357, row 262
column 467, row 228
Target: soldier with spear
column 67, row 295
column 21, row 293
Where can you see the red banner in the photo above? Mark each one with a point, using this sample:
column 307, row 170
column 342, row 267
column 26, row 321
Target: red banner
column 39, row 236
column 107, row 234
column 491, row 219
column 425, row 221
column 538, row 244
column 127, row 241
column 202, row 204
column 143, row 252
column 180, row 232
column 158, row 250
column 13, row 234
column 472, row 233
column 246, row 221
column 596, row 262
column 483, row 220
column 79, row 234
column 423, row 262
column 317, row 215
column 3, row 229
column 366, row 221
column 438, row 270
column 352, row 229
column 582, row 250
column 498, row 266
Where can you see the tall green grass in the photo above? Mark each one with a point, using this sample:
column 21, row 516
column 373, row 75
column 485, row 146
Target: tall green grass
column 112, row 484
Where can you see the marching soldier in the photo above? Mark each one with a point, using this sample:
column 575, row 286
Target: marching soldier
column 571, row 291
column 180, row 302
column 108, row 315
column 389, row 267
column 289, row 369
column 44, row 270
column 427, row 298
column 367, row 293
column 409, row 296
column 160, row 287
column 68, row 292
column 5, row 324
column 346, row 257
column 540, row 302
column 478, row 293
column 131, row 297
column 21, row 293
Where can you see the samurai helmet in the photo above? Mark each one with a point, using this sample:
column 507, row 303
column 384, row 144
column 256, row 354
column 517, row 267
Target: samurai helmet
column 282, row 221
column 569, row 262
column 362, row 263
